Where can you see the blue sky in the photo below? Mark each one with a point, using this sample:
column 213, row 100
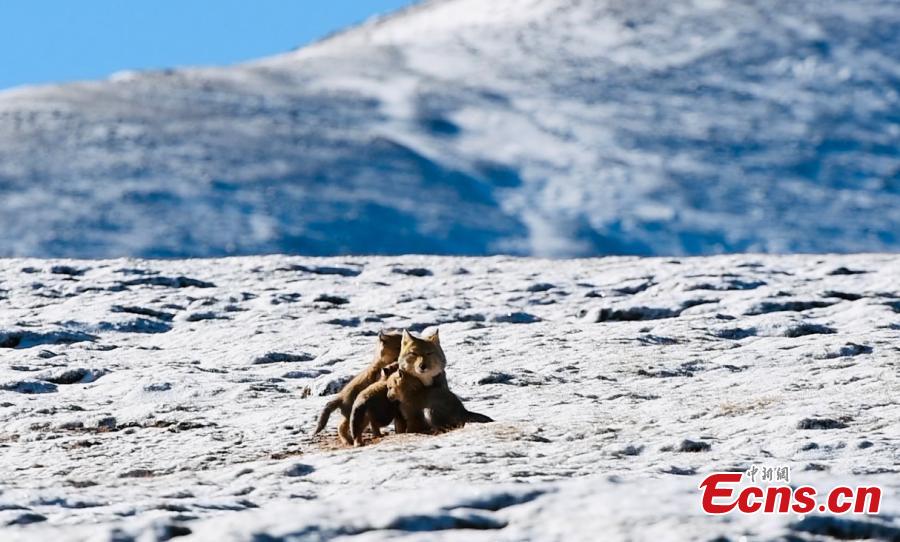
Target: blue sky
column 44, row 41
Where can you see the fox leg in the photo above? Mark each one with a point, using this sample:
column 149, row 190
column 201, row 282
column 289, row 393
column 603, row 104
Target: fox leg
column 344, row 432
column 399, row 424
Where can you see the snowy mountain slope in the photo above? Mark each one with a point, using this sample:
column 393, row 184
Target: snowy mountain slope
column 548, row 127
column 146, row 399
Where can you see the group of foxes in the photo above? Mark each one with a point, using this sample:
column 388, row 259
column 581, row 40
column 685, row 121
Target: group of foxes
column 405, row 384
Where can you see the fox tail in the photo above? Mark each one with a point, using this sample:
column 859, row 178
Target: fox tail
column 330, row 407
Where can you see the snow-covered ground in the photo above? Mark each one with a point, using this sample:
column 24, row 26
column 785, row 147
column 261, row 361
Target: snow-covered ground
column 141, row 400
column 541, row 127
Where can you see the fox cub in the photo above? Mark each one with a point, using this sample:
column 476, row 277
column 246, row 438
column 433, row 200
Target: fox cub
column 373, row 408
column 386, row 353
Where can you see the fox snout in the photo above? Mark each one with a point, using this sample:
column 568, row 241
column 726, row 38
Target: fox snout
column 422, row 367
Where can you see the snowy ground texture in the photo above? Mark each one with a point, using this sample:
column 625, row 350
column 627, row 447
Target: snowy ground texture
column 143, row 400
column 538, row 127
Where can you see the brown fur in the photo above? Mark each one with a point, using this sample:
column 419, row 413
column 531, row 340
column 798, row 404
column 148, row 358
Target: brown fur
column 411, row 395
column 429, row 409
column 445, row 410
column 426, row 402
column 386, row 353
column 373, row 408
column 422, row 357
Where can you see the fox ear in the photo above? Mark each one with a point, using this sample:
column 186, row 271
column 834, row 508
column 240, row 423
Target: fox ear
column 434, row 338
column 407, row 338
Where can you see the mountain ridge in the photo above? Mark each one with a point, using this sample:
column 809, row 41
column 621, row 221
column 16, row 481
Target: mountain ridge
column 571, row 129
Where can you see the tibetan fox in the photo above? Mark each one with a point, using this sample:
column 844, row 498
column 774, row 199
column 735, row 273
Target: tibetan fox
column 386, row 353
column 420, row 387
column 373, row 408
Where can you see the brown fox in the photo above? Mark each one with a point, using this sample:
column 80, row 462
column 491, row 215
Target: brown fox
column 385, row 354
column 372, row 407
column 420, row 386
